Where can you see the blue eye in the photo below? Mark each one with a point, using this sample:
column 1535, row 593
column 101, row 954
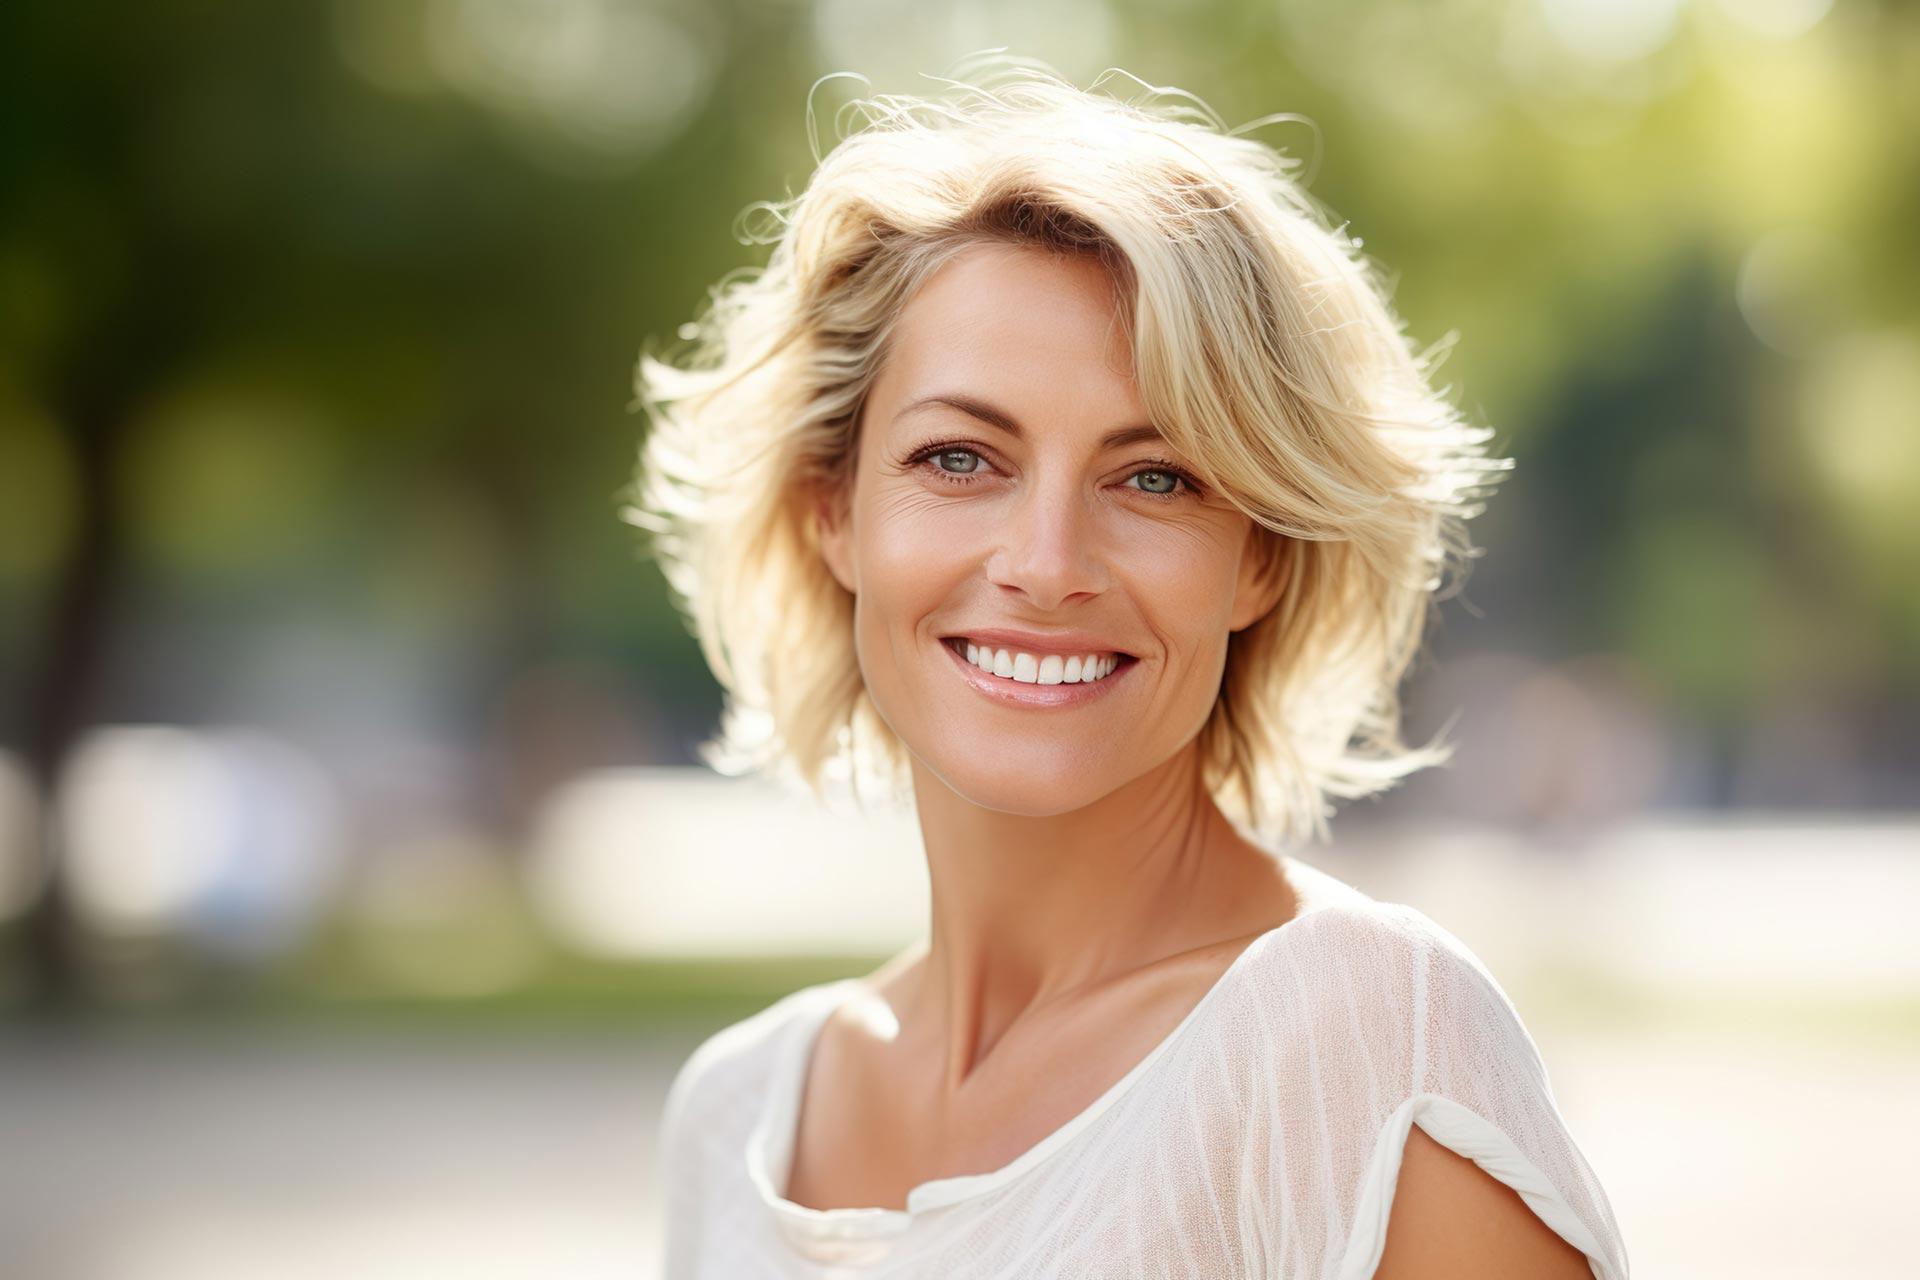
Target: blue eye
column 1166, row 475
column 960, row 453
column 936, row 456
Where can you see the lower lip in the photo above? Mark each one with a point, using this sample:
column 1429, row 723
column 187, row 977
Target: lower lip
column 1017, row 694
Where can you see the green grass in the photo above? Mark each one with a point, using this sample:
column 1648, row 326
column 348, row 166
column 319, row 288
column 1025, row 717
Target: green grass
column 348, row 976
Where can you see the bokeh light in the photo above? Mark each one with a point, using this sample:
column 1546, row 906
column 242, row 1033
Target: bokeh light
column 229, row 836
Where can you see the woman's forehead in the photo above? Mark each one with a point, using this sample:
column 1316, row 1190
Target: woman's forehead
column 1036, row 335
column 1000, row 295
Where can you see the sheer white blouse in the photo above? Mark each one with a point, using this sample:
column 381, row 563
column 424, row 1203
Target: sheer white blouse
column 1261, row 1138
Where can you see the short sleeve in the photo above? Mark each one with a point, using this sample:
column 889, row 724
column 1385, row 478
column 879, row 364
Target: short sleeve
column 678, row 1175
column 1479, row 1087
column 702, row 1134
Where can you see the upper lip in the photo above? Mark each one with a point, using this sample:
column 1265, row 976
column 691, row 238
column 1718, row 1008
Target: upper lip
column 1065, row 643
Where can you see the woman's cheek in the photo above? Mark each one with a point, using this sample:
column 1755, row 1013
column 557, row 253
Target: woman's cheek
column 912, row 514
column 1185, row 567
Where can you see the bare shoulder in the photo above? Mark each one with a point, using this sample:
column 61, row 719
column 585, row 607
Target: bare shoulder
column 1452, row 1220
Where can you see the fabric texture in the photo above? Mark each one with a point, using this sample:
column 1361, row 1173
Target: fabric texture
column 1261, row 1138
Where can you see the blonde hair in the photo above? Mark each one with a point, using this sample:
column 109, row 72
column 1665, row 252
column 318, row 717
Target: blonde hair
column 1265, row 350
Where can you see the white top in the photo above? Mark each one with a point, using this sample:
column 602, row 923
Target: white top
column 1261, row 1138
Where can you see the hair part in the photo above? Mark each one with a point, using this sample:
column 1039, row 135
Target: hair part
column 1265, row 349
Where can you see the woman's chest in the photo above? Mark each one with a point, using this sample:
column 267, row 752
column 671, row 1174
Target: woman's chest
column 875, row 1119
column 870, row 1130
column 1153, row 1185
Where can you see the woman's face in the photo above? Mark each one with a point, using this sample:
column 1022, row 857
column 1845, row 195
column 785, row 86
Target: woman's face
column 1020, row 524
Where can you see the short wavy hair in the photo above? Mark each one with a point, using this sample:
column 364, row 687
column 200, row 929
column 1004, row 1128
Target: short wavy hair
column 1265, row 349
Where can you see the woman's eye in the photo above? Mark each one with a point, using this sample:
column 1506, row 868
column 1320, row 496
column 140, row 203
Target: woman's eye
column 964, row 455
column 1171, row 480
column 963, row 466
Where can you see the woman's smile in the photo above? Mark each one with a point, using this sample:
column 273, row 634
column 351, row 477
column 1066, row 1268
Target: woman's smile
column 1014, row 690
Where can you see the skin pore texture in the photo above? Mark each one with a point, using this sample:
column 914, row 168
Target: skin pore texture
column 1086, row 890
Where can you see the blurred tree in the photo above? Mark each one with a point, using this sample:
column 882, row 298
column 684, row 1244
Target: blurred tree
column 332, row 308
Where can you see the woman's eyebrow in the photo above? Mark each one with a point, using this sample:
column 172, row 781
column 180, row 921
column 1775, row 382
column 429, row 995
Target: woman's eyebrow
column 978, row 408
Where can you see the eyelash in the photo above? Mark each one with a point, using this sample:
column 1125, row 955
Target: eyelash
column 1147, row 465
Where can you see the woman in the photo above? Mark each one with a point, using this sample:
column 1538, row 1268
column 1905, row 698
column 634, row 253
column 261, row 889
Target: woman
column 1066, row 468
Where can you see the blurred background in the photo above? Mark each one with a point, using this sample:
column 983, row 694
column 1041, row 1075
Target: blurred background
column 359, row 891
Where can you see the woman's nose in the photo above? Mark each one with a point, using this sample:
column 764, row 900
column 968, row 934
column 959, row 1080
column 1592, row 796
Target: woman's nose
column 1047, row 547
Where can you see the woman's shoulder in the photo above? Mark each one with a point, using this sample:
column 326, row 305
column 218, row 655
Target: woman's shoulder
column 1398, row 1022
column 1368, row 965
column 732, row 1066
column 1338, row 919
column 1339, row 916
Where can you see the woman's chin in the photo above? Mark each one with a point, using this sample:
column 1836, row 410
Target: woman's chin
column 1024, row 786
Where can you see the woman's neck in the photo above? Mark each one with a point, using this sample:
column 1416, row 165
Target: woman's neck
column 1029, row 910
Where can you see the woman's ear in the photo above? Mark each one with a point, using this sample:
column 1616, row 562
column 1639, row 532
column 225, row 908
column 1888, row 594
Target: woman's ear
column 1263, row 577
column 833, row 522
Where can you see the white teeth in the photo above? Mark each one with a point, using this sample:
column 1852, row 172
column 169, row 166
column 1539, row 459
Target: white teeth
column 1027, row 668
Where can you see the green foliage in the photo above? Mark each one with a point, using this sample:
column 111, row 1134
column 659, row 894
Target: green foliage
column 346, row 294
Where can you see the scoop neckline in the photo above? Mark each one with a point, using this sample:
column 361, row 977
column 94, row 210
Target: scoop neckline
column 768, row 1168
